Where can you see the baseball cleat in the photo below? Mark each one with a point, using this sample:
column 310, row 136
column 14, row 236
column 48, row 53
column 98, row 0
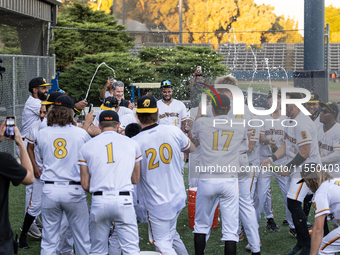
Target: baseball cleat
column 34, row 231
column 292, row 232
column 39, row 223
column 285, row 223
column 295, row 250
column 272, row 225
column 23, row 243
column 309, row 225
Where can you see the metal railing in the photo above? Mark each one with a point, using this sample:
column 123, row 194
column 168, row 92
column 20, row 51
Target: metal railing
column 14, row 86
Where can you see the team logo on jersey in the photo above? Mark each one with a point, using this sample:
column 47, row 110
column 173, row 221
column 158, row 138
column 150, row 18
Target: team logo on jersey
column 146, row 103
column 304, row 135
column 314, row 206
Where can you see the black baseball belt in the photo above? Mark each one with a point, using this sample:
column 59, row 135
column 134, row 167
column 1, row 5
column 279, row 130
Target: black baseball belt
column 121, row 193
column 70, row 182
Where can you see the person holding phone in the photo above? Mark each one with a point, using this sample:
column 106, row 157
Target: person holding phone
column 107, row 93
column 11, row 171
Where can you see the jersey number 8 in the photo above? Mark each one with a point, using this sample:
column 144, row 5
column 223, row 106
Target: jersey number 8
column 153, row 152
column 60, row 150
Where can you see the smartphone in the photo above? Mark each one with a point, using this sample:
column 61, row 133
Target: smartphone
column 199, row 69
column 111, row 79
column 10, row 123
column 90, row 107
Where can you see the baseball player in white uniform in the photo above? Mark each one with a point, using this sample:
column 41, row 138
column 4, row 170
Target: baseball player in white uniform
column 300, row 146
column 247, row 210
column 30, row 114
column 218, row 182
column 273, row 135
column 59, row 145
column 162, row 187
column 171, row 111
column 108, row 175
column 326, row 203
column 111, row 103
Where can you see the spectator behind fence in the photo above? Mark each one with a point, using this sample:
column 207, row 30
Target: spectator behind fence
column 11, row 171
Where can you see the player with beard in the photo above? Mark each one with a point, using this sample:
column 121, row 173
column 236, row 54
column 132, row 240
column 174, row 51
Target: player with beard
column 30, row 114
column 171, row 111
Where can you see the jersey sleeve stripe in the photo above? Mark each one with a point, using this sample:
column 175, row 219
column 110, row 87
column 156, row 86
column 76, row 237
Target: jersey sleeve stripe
column 185, row 118
column 321, row 211
column 139, row 156
column 29, row 139
column 330, row 242
column 186, row 145
column 333, row 146
column 298, row 192
column 305, row 141
column 81, row 160
column 253, row 137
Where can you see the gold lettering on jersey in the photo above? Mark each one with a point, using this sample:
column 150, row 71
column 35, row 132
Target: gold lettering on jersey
column 60, row 150
column 337, row 183
column 325, row 146
column 146, row 103
column 169, row 114
column 289, row 138
column 314, row 206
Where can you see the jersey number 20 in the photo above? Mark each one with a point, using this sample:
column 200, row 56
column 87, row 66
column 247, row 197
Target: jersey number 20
column 152, row 164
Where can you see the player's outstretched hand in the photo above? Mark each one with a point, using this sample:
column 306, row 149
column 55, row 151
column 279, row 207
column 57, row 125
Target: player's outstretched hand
column 284, row 171
column 131, row 105
column 89, row 117
column 81, row 105
column 266, row 163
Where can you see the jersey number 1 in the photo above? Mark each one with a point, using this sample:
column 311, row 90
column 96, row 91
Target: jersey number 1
column 152, row 164
column 226, row 145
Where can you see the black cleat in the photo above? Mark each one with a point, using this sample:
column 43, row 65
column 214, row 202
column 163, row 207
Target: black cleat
column 272, row 225
column 292, row 232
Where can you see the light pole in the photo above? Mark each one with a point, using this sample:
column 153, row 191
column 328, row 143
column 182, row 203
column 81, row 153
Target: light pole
column 180, row 21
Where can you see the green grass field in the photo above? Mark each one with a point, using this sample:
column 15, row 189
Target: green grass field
column 273, row 243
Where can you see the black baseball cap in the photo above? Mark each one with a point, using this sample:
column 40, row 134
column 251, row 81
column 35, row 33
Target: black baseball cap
column 309, row 170
column 225, row 102
column 314, row 98
column 65, row 101
column 331, row 106
column 38, row 82
column 166, row 84
column 132, row 129
column 270, row 93
column 108, row 115
column 109, row 103
column 146, row 104
column 52, row 97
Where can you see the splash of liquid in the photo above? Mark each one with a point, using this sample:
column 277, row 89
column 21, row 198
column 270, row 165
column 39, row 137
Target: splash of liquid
column 267, row 64
column 285, row 73
column 255, row 67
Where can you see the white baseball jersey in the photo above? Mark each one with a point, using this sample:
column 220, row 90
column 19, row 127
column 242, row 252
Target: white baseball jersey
column 121, row 112
column 126, row 120
column 303, row 133
column 161, row 179
column 272, row 129
column 326, row 200
column 31, row 138
column 253, row 157
column 172, row 114
column 30, row 114
column 329, row 142
column 112, row 163
column 59, row 148
column 243, row 120
column 219, row 142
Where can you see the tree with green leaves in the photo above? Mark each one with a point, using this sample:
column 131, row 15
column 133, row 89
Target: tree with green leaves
column 79, row 41
column 332, row 17
column 9, row 40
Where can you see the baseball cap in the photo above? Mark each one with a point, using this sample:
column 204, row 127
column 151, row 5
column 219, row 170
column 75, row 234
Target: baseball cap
column 146, row 104
column 314, row 98
column 166, row 84
column 270, row 93
column 309, row 170
column 225, row 102
column 108, row 115
column 52, row 97
column 38, row 82
column 132, row 129
column 109, row 103
column 65, row 101
column 330, row 106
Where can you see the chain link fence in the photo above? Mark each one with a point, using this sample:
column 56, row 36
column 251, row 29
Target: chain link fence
column 14, row 86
